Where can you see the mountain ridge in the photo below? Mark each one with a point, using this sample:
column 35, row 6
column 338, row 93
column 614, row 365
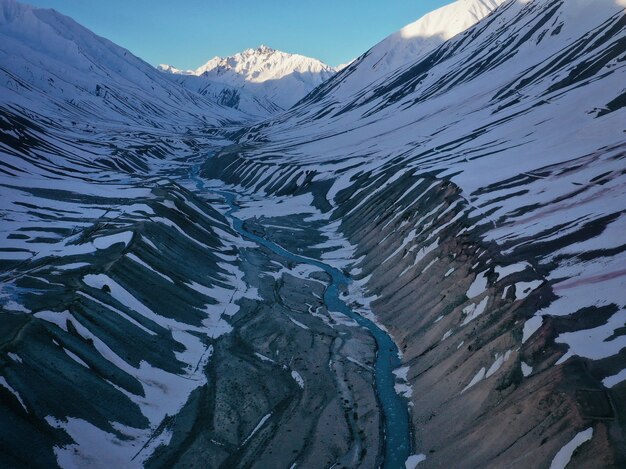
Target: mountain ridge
column 412, row 42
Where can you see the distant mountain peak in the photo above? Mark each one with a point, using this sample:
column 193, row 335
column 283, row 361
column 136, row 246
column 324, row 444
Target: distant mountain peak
column 275, row 78
column 257, row 64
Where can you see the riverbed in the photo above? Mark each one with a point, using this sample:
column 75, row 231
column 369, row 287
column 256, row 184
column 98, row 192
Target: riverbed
column 393, row 407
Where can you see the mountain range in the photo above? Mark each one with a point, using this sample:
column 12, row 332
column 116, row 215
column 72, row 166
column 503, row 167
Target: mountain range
column 414, row 261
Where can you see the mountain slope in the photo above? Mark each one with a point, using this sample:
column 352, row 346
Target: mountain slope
column 410, row 44
column 258, row 81
column 91, row 367
column 139, row 328
column 51, row 64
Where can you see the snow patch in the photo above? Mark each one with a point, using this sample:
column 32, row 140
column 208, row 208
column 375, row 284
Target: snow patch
column 563, row 457
column 413, row 460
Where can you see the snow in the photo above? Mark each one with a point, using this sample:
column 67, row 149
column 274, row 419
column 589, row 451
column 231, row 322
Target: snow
column 403, row 389
column 530, row 327
column 299, row 324
column 526, row 369
column 523, row 289
column 136, row 259
column 478, row 286
column 264, row 80
column 505, row 271
column 359, row 364
column 150, row 243
column 498, row 362
column 75, row 357
column 414, row 41
column 71, row 266
column 430, row 264
column 409, row 238
column 473, row 311
column 563, row 457
column 614, row 380
column 401, row 373
column 264, row 358
column 297, row 378
column 257, row 428
column 413, row 460
column 123, row 297
column 421, row 254
column 479, row 376
column 58, row 318
column 93, row 445
column 7, row 386
column 117, row 311
column 105, row 242
column 402, row 386
column 584, row 343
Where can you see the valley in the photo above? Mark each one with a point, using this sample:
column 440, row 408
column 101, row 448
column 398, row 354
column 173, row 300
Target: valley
column 421, row 263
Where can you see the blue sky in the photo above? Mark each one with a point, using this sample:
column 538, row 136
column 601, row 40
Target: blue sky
column 187, row 33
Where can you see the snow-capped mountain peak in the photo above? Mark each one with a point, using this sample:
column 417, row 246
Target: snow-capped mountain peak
column 431, row 30
column 449, row 20
column 258, row 65
column 275, row 80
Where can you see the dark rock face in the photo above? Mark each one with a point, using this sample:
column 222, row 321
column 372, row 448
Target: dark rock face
column 330, row 414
